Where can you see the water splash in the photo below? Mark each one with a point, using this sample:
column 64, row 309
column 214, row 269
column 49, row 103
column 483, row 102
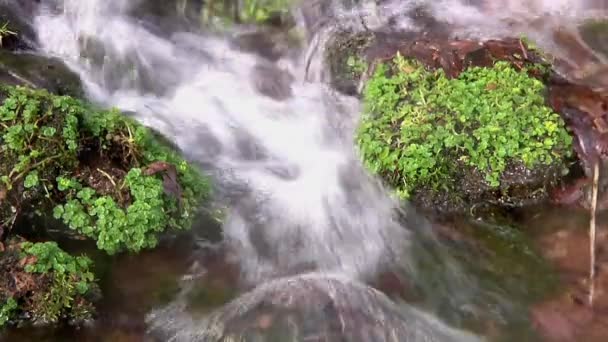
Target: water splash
column 319, row 307
column 287, row 160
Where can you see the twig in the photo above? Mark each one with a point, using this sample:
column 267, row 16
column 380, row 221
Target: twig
column 523, row 49
column 596, row 171
column 107, row 175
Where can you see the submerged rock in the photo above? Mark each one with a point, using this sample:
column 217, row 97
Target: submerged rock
column 595, row 34
column 306, row 307
column 273, row 82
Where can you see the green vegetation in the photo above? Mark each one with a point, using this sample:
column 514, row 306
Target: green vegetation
column 105, row 176
column 260, row 10
column 248, row 11
column 69, row 279
column 357, row 65
column 44, row 283
column 5, row 31
column 422, row 130
column 7, row 310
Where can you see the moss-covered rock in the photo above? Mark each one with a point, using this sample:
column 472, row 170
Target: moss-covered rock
column 41, row 283
column 105, row 176
column 452, row 143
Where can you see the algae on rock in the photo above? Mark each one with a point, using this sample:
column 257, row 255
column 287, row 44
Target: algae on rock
column 105, row 176
column 452, row 143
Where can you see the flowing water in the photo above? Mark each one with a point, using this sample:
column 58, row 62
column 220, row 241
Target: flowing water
column 306, row 227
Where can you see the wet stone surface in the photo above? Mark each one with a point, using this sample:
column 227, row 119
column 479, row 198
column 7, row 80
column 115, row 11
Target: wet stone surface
column 27, row 69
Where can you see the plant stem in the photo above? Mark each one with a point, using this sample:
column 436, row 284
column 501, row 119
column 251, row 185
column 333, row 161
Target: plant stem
column 592, row 228
column 20, row 175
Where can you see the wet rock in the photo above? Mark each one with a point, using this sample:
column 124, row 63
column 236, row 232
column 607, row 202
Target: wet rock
column 269, row 43
column 167, row 16
column 271, row 81
column 37, row 71
column 595, row 34
column 16, row 14
column 128, row 69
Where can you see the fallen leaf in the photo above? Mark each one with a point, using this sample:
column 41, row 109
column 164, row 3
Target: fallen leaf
column 28, row 260
column 170, row 182
column 491, row 86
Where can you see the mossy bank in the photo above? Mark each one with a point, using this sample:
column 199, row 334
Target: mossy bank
column 483, row 136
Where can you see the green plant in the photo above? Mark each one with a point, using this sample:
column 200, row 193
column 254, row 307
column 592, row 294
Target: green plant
column 7, row 310
column 70, row 278
column 96, row 170
column 249, row 11
column 260, row 10
column 421, row 129
column 103, row 219
column 356, row 65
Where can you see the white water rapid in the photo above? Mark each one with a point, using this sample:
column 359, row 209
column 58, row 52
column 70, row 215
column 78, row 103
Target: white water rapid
column 278, row 143
column 303, row 198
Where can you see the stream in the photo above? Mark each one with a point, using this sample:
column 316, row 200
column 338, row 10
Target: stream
column 312, row 247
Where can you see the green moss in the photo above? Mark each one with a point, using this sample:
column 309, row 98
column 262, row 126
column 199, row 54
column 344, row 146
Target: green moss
column 104, row 175
column 421, row 129
column 357, row 65
column 346, row 59
column 248, row 11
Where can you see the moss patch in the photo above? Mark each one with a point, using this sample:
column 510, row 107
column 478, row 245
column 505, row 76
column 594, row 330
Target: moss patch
column 346, row 59
column 460, row 140
column 102, row 174
column 44, row 284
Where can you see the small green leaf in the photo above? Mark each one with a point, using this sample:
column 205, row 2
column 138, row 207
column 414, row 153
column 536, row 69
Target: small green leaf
column 31, row 180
